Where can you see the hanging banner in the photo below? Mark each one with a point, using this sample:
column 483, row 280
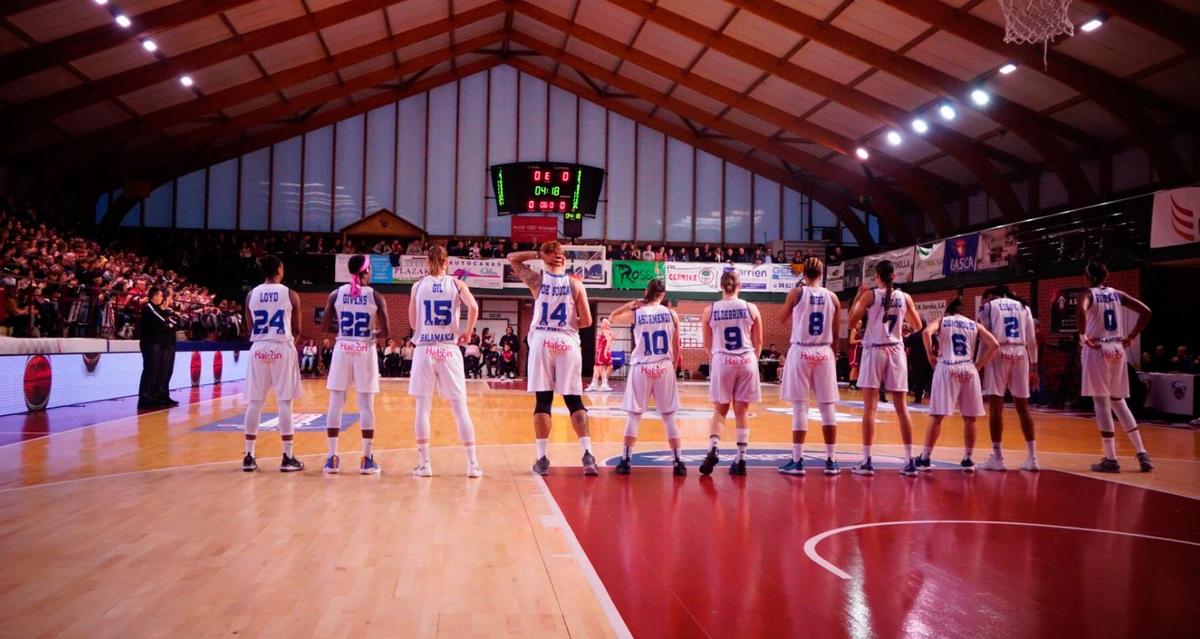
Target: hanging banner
column 852, row 275
column 753, row 278
column 833, row 278
column 587, row 264
column 381, row 269
column 341, row 273
column 511, row 280
column 1064, row 318
column 960, row 255
column 997, row 248
column 783, row 278
column 928, row 261
column 1176, row 217
column 697, row 278
column 411, row 268
column 534, row 229
column 636, row 274
column 931, row 310
column 478, row 273
column 902, row 259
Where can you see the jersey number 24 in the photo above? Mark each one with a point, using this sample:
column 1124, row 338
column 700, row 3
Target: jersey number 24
column 263, row 324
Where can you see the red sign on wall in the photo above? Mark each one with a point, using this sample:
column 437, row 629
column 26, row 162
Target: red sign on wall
column 535, row 229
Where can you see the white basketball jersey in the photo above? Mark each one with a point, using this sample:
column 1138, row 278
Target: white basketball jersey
column 956, row 340
column 437, row 310
column 731, row 324
column 1105, row 317
column 554, row 307
column 885, row 326
column 812, row 317
column 355, row 317
column 653, row 335
column 1009, row 320
column 270, row 309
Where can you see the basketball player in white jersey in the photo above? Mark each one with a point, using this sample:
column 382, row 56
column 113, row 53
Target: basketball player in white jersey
column 884, row 366
column 811, row 369
column 655, row 357
column 560, row 309
column 1014, row 369
column 956, row 382
column 358, row 315
column 1103, row 341
column 273, row 323
column 733, row 336
column 437, row 362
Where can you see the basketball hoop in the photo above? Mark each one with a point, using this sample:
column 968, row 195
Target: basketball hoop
column 1036, row 21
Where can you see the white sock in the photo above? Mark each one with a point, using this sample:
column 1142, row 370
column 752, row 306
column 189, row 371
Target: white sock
column 908, row 451
column 287, row 447
column 829, row 451
column 542, row 444
column 926, row 451
column 866, row 452
column 713, row 441
column 585, row 444
column 333, row 442
column 1110, row 447
column 423, row 453
column 368, row 444
column 743, row 442
column 1031, row 446
column 253, row 418
column 470, row 450
column 996, row 450
column 797, row 452
column 285, row 426
column 250, row 446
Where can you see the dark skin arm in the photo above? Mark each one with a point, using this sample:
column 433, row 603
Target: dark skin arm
column 381, row 313
column 327, row 325
column 295, row 297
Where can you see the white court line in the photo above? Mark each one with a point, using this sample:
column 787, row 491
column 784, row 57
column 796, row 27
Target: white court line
column 119, row 419
column 585, row 565
column 810, row 546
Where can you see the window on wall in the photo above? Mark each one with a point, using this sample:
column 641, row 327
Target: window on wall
column 410, row 169
column 381, row 156
column 256, row 183
column 318, row 174
column 472, row 136
column 348, row 172
column 442, row 152
column 766, row 210
column 593, row 150
column 223, row 195
column 160, row 206
column 738, row 190
column 620, row 177
column 680, row 196
column 189, row 200
column 794, row 215
column 285, row 186
column 651, row 154
column 709, row 181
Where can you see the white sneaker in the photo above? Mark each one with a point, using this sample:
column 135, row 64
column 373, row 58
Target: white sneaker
column 424, row 469
column 605, row 388
column 591, row 388
column 1030, row 464
column 473, row 470
column 993, row 463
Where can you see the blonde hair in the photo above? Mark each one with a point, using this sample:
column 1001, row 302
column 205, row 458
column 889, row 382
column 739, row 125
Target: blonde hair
column 550, row 247
column 730, row 281
column 436, row 255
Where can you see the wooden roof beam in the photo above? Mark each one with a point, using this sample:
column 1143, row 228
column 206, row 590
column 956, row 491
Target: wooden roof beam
column 884, row 207
column 834, row 201
column 1020, row 120
column 917, row 185
column 1122, row 100
column 1159, row 18
column 27, row 62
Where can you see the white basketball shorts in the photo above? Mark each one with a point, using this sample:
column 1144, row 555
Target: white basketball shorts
column 810, row 372
column 734, row 378
column 353, row 363
column 438, row 367
column 555, row 363
column 273, row 366
column 655, row 380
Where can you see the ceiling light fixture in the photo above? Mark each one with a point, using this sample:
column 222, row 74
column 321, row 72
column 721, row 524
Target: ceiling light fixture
column 947, row 112
column 862, row 153
column 149, row 46
column 920, row 126
column 186, row 80
column 1008, row 68
column 980, row 97
column 1092, row 25
column 893, row 138
column 123, row 20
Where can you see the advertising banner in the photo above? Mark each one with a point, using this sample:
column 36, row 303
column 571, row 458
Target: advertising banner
column 695, row 278
column 852, row 274
column 997, row 248
column 755, row 279
column 381, row 269
column 902, row 259
column 833, row 277
column 410, row 269
column 534, row 228
column 961, row 255
column 928, row 262
column 635, row 274
column 931, row 310
column 588, row 265
column 478, row 273
column 783, row 278
column 1176, row 217
column 1063, row 317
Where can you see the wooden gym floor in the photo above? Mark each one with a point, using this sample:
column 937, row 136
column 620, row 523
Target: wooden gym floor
column 114, row 524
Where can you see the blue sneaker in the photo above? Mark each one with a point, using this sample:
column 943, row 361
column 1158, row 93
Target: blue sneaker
column 793, row 467
column 831, row 467
column 924, row 463
column 968, row 466
column 332, row 464
column 369, row 467
column 865, row 468
column 910, row 468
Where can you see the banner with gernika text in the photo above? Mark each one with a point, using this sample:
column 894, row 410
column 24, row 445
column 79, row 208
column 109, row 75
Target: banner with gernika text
column 693, row 278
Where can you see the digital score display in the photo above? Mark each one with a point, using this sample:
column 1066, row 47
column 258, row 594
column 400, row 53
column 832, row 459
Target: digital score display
column 549, row 188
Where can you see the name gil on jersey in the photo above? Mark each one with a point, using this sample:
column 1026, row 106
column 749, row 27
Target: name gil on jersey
column 656, row 318
column 356, row 300
column 730, row 314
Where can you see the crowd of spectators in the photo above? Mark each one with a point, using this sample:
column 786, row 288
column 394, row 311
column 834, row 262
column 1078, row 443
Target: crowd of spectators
column 58, row 283
column 1182, row 361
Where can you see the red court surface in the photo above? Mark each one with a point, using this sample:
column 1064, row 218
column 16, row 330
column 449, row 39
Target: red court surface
column 725, row 557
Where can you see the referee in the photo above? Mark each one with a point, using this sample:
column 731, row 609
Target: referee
column 157, row 344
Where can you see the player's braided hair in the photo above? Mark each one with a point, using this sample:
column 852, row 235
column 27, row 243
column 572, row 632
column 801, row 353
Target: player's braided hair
column 954, row 307
column 886, row 272
column 813, row 267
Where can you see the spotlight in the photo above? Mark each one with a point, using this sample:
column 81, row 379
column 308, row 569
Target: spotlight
column 185, row 80
column 980, row 97
column 861, row 153
column 893, row 138
column 1092, row 25
column 1008, row 68
column 149, row 46
column 947, row 112
column 920, row 126
column 123, row 20
column 101, row 2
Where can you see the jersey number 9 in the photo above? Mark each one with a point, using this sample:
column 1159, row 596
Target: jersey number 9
column 733, row 339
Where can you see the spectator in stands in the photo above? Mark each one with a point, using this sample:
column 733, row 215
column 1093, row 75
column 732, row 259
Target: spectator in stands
column 392, row 358
column 472, row 358
column 647, row 253
column 741, row 257
column 474, row 251
column 797, row 257
column 508, row 362
column 780, row 257
column 406, row 357
column 1158, row 362
column 1182, row 362
column 414, row 248
column 308, row 358
column 514, row 344
column 487, row 341
column 920, row 371
column 698, row 255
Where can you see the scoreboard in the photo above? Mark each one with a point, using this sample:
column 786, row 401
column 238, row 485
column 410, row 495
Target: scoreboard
column 549, row 188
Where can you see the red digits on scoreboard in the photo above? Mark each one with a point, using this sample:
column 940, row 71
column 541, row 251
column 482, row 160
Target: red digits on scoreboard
column 537, row 176
column 531, row 205
column 566, row 176
column 562, row 205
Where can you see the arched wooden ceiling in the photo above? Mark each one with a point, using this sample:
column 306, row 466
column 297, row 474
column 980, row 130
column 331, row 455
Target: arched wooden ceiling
column 786, row 88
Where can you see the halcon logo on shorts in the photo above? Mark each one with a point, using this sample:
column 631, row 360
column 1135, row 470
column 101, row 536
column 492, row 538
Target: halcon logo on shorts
column 557, row 347
column 355, row 347
column 438, row 353
column 268, row 356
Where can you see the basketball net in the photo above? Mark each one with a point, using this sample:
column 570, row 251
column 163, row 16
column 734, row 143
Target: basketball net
column 1036, row 21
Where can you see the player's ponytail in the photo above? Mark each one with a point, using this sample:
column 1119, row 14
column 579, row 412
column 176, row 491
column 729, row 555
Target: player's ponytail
column 730, row 282
column 813, row 267
column 1096, row 273
column 654, row 289
column 436, row 257
column 886, row 272
column 954, row 307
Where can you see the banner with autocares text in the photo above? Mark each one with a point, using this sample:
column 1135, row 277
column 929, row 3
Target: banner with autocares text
column 693, row 278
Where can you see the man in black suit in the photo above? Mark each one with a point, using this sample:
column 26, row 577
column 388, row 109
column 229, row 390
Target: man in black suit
column 157, row 343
